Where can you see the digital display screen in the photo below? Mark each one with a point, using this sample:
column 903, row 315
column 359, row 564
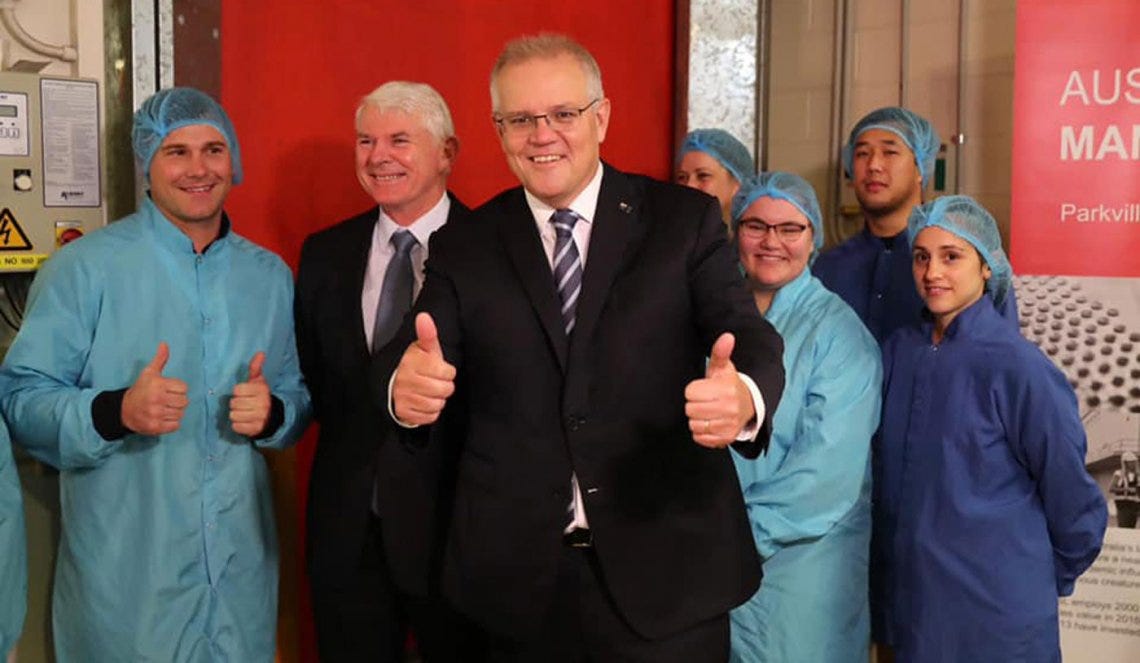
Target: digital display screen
column 7, row 110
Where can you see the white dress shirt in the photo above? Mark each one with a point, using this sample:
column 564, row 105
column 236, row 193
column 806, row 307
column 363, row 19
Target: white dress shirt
column 585, row 205
column 382, row 251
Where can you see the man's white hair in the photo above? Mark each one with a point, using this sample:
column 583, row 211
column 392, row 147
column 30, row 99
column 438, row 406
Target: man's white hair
column 418, row 100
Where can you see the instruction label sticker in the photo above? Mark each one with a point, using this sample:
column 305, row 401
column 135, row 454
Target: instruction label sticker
column 70, row 112
column 12, row 237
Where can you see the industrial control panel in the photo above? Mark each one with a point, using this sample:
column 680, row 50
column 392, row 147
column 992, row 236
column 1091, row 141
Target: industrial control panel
column 50, row 167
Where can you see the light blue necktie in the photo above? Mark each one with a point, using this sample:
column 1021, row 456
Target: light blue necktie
column 396, row 291
column 395, row 302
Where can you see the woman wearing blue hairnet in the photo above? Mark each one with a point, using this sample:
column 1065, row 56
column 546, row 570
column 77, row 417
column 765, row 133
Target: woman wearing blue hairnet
column 808, row 498
column 715, row 162
column 984, row 512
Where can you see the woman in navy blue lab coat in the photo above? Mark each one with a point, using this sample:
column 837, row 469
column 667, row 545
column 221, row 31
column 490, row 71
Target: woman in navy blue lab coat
column 983, row 511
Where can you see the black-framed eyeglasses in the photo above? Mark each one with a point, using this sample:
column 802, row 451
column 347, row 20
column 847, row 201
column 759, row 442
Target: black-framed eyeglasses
column 756, row 229
column 524, row 123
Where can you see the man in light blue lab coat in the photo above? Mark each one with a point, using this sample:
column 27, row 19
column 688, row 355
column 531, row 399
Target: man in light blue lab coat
column 155, row 361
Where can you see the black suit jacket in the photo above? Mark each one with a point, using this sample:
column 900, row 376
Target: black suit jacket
column 661, row 283
column 356, row 439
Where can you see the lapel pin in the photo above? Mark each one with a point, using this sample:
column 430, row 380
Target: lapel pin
column 625, row 207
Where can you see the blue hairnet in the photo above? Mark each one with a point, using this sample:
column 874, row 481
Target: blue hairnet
column 175, row 108
column 784, row 186
column 722, row 146
column 964, row 217
column 917, row 132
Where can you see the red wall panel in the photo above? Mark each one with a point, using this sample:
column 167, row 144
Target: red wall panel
column 292, row 73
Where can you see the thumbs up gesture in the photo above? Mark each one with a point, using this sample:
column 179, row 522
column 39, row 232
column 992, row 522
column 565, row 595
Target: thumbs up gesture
column 424, row 380
column 249, row 404
column 719, row 405
column 153, row 405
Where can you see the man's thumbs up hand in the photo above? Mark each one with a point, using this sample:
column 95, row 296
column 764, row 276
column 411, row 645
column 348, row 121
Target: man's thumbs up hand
column 251, row 402
column 153, row 405
column 424, row 380
column 719, row 405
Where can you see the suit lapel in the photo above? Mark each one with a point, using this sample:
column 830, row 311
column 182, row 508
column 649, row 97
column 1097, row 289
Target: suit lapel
column 523, row 245
column 616, row 228
column 355, row 266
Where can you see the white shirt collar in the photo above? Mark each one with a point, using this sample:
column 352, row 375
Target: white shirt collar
column 421, row 228
column 585, row 204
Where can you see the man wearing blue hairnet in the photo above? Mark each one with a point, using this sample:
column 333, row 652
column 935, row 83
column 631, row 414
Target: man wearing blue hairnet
column 889, row 157
column 155, row 359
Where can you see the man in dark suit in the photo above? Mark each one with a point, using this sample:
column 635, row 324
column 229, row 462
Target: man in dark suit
column 597, row 512
column 373, row 511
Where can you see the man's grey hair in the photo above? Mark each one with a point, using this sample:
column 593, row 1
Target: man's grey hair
column 545, row 46
column 418, row 100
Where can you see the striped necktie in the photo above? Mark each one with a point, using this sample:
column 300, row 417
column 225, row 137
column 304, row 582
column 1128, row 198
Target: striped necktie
column 567, row 265
column 568, row 280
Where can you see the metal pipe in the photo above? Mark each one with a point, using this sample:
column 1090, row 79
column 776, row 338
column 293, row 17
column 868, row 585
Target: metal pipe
column 20, row 35
column 959, row 138
column 763, row 80
column 840, row 85
column 904, row 54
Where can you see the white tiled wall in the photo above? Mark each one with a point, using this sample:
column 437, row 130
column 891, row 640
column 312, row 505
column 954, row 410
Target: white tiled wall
column 803, row 67
column 799, row 106
column 988, row 126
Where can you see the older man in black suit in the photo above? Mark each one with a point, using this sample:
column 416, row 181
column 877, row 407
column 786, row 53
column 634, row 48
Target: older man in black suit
column 375, row 510
column 593, row 331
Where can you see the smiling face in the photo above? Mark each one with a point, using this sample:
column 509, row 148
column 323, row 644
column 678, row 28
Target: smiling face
column 772, row 258
column 884, row 173
column 401, row 164
column 190, row 176
column 948, row 272
column 700, row 171
column 555, row 165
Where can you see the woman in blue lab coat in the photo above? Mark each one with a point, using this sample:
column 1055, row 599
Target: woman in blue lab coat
column 984, row 512
column 808, row 498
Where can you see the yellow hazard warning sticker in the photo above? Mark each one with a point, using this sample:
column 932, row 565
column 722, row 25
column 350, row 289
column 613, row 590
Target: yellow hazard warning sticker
column 12, row 237
column 21, row 262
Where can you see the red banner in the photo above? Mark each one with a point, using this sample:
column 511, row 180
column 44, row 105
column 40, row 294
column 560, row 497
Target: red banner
column 1076, row 138
column 1075, row 241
